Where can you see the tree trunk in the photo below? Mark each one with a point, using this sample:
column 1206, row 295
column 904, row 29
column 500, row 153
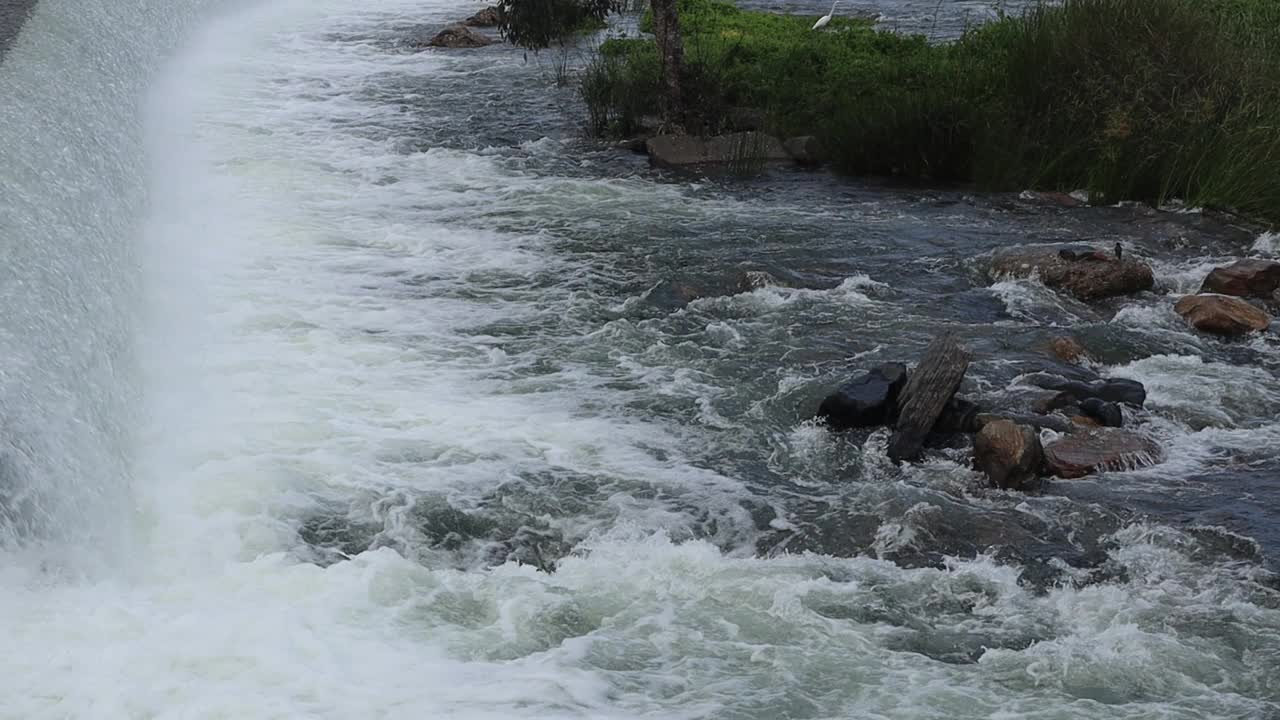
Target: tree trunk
column 666, row 30
column 932, row 385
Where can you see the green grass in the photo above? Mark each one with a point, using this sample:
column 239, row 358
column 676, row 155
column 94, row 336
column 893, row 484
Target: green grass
column 1129, row 99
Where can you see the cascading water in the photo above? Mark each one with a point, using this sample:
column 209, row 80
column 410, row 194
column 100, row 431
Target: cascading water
column 344, row 381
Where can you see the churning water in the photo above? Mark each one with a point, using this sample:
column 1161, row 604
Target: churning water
column 342, row 381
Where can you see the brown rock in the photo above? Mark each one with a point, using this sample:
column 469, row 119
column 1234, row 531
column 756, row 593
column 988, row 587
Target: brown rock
column 487, row 17
column 1221, row 315
column 686, row 150
column 1085, row 421
column 1009, row 454
column 458, row 36
column 1244, row 278
column 1069, row 350
column 1087, row 273
column 1100, row 450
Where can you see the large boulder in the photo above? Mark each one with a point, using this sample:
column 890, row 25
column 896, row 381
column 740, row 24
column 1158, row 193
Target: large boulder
column 869, row 400
column 1087, row 273
column 1100, row 450
column 459, row 36
column 1009, row 454
column 1221, row 315
column 1245, row 278
column 691, row 150
column 487, row 17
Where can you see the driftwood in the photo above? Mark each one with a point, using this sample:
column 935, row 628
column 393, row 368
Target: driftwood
column 933, row 383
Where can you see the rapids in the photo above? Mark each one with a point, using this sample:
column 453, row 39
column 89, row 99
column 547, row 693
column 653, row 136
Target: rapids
column 343, row 381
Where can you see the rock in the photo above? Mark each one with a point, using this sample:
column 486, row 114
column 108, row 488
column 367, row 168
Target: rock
column 1039, row 422
column 459, row 36
column 748, row 280
column 1084, row 421
column 1245, row 278
column 1009, row 454
column 487, row 17
column 687, row 150
column 805, row 150
column 674, row 294
column 1087, row 273
column 1221, row 315
column 1068, row 350
column 1106, row 413
column 1100, row 450
column 1117, row 390
column 932, row 385
column 958, row 416
column 866, row 401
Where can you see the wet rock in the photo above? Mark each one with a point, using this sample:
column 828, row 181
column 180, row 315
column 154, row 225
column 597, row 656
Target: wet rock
column 1068, row 350
column 487, row 17
column 932, row 385
column 1106, row 413
column 1116, row 390
column 674, row 294
column 958, row 416
column 805, row 150
column 748, row 280
column 1039, row 422
column 690, row 150
column 1009, row 454
column 1222, row 315
column 1100, row 450
column 1087, row 273
column 867, row 401
column 459, row 36
column 1245, row 278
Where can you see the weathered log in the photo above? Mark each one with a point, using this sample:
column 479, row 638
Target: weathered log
column 933, row 383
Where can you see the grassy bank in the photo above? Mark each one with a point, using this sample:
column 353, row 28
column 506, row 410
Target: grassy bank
column 1130, row 99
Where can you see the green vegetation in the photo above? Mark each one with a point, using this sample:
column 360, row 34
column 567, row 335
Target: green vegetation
column 1131, row 99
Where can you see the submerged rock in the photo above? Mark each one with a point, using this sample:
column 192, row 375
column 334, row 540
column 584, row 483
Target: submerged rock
column 459, row 36
column 1222, row 315
column 691, row 150
column 958, row 416
column 1068, row 350
column 1009, row 454
column 1087, row 273
column 1099, row 450
column 487, row 17
column 867, row 401
column 1245, row 278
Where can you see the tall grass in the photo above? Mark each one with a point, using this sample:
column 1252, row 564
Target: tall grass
column 1129, row 99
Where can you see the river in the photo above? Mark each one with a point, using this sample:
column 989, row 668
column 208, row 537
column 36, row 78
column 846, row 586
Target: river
column 345, row 381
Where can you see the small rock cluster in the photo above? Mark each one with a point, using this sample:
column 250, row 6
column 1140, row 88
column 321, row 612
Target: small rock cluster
column 1223, row 307
column 461, row 36
column 1007, row 447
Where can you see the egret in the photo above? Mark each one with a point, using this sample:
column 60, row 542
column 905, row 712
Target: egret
column 822, row 21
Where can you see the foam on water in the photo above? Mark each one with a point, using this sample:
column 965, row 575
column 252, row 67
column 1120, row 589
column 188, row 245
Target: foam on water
column 333, row 320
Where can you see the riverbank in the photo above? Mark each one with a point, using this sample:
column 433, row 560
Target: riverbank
column 1130, row 100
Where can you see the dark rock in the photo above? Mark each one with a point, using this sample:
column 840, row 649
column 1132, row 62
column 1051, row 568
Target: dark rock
column 958, row 416
column 1100, row 450
column 459, row 36
column 1009, row 454
column 1068, row 350
column 1039, row 422
column 487, row 17
column 867, row 401
column 690, row 150
column 1106, row 413
column 1117, row 390
column 674, row 294
column 1087, row 273
column 1245, row 278
column 1222, row 315
column 805, row 150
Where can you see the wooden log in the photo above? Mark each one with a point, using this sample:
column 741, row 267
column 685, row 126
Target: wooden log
column 933, row 383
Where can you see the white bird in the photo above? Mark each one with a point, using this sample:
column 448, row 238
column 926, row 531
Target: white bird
column 822, row 21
